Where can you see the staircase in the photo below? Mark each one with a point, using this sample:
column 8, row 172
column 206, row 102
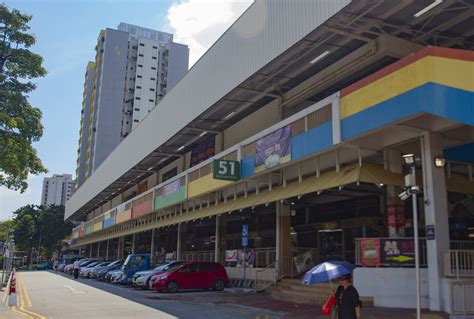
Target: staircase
column 292, row 290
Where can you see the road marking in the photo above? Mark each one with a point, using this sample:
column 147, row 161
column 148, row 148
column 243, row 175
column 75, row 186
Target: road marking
column 23, row 292
column 74, row 291
column 21, row 313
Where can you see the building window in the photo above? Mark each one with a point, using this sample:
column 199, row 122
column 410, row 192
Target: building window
column 154, row 57
column 142, row 44
column 136, row 121
column 153, row 79
column 137, row 98
column 151, row 100
column 141, row 55
column 153, row 68
column 139, row 87
column 152, row 89
column 140, row 66
column 136, row 109
column 155, row 47
column 139, row 76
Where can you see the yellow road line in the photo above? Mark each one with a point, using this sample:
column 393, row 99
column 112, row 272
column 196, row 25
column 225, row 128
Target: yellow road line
column 23, row 292
column 21, row 313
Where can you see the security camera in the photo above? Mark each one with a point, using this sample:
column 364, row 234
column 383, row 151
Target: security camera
column 404, row 195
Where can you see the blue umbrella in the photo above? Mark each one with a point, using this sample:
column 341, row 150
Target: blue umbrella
column 327, row 271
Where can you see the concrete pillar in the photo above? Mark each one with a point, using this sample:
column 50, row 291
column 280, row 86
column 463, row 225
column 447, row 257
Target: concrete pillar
column 394, row 205
column 107, row 251
column 436, row 215
column 133, row 243
column 152, row 245
column 178, row 244
column 218, row 240
column 90, row 251
column 98, row 249
column 283, row 239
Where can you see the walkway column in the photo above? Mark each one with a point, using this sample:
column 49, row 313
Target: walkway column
column 90, row 251
column 133, row 243
column 394, row 205
column 107, row 251
column 120, row 248
column 178, row 243
column 152, row 246
column 283, row 239
column 98, row 250
column 436, row 215
column 218, row 240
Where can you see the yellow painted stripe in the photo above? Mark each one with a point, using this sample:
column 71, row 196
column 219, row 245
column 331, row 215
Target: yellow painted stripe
column 450, row 72
column 204, row 185
column 23, row 292
column 21, row 313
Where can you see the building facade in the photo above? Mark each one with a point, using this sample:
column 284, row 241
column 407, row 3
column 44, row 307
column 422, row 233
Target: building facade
column 57, row 189
column 134, row 68
column 298, row 136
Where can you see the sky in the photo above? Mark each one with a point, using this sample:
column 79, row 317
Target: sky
column 66, row 33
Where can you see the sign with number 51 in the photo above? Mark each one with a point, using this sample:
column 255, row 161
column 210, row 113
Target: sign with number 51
column 226, row 170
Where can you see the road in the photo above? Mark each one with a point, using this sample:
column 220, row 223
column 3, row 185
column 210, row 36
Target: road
column 44, row 294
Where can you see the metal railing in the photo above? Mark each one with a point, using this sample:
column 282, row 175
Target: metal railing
column 409, row 263
column 461, row 298
column 459, row 263
column 461, row 244
column 207, row 255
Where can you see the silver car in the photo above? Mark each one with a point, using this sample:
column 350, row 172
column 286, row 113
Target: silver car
column 142, row 278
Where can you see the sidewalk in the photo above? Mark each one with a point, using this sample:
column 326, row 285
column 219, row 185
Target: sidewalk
column 290, row 310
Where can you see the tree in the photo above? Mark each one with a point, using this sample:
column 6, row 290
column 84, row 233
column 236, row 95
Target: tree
column 20, row 122
column 5, row 227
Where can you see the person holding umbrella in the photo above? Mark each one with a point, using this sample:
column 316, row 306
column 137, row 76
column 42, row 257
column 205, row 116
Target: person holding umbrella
column 347, row 299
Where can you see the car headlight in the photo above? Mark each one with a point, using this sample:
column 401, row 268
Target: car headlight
column 163, row 277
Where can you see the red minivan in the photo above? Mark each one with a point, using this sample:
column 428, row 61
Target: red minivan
column 192, row 275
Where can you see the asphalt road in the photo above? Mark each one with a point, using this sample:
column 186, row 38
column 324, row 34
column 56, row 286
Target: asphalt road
column 49, row 295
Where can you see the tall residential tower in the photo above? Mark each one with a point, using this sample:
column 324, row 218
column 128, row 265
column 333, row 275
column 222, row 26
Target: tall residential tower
column 133, row 69
column 57, row 189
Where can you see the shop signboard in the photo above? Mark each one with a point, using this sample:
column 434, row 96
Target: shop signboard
column 226, row 170
column 397, row 252
column 273, row 149
column 203, row 151
column 370, row 252
column 430, row 232
column 171, row 188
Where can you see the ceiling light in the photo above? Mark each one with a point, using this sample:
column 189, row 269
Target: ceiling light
column 181, row 147
column 150, row 168
column 319, row 57
column 428, row 8
column 439, row 161
column 202, row 134
column 229, row 115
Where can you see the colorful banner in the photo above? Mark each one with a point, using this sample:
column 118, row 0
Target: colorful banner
column 231, row 255
column 370, row 252
column 397, row 252
column 203, row 151
column 304, row 261
column 273, row 149
column 171, row 188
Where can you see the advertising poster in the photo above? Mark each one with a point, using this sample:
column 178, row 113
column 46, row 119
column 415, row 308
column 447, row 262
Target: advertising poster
column 273, row 149
column 238, row 256
column 231, row 255
column 370, row 252
column 203, row 151
column 303, row 261
column 171, row 188
column 397, row 252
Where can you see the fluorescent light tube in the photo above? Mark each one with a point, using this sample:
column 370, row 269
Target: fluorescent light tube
column 319, row 57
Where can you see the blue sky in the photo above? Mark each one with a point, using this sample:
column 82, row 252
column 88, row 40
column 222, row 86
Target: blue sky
column 66, row 32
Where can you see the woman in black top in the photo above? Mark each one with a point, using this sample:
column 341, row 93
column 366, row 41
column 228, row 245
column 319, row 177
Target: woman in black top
column 347, row 299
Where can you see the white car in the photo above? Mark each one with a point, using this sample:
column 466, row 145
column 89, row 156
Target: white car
column 141, row 279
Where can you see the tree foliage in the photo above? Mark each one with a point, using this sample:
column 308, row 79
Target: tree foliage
column 20, row 122
column 40, row 227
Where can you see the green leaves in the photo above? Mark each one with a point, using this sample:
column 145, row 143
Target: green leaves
column 20, row 122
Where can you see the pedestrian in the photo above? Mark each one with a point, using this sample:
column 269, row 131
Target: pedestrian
column 55, row 265
column 76, row 269
column 347, row 299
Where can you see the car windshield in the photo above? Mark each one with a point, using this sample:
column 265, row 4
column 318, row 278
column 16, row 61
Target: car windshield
column 93, row 264
column 103, row 264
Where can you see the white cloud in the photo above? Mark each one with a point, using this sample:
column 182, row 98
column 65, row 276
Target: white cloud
column 199, row 23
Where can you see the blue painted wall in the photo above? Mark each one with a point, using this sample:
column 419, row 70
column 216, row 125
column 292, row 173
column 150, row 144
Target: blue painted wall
column 463, row 153
column 312, row 141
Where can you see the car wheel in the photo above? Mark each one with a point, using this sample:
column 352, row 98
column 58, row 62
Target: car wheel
column 219, row 285
column 172, row 287
column 147, row 285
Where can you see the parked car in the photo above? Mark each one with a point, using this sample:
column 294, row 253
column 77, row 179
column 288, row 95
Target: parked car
column 44, row 265
column 192, row 275
column 82, row 263
column 141, row 279
column 110, row 276
column 85, row 272
column 99, row 272
column 133, row 264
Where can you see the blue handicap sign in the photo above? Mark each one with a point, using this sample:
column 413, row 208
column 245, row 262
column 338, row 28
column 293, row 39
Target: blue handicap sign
column 245, row 235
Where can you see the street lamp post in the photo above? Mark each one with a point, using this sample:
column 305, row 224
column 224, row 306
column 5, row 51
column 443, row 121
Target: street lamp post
column 413, row 189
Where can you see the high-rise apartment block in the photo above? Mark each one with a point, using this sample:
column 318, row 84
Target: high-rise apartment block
column 133, row 69
column 57, row 189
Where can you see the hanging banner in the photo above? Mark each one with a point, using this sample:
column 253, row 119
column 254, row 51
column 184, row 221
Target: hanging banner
column 231, row 255
column 273, row 149
column 171, row 188
column 304, row 261
column 203, row 151
column 370, row 252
